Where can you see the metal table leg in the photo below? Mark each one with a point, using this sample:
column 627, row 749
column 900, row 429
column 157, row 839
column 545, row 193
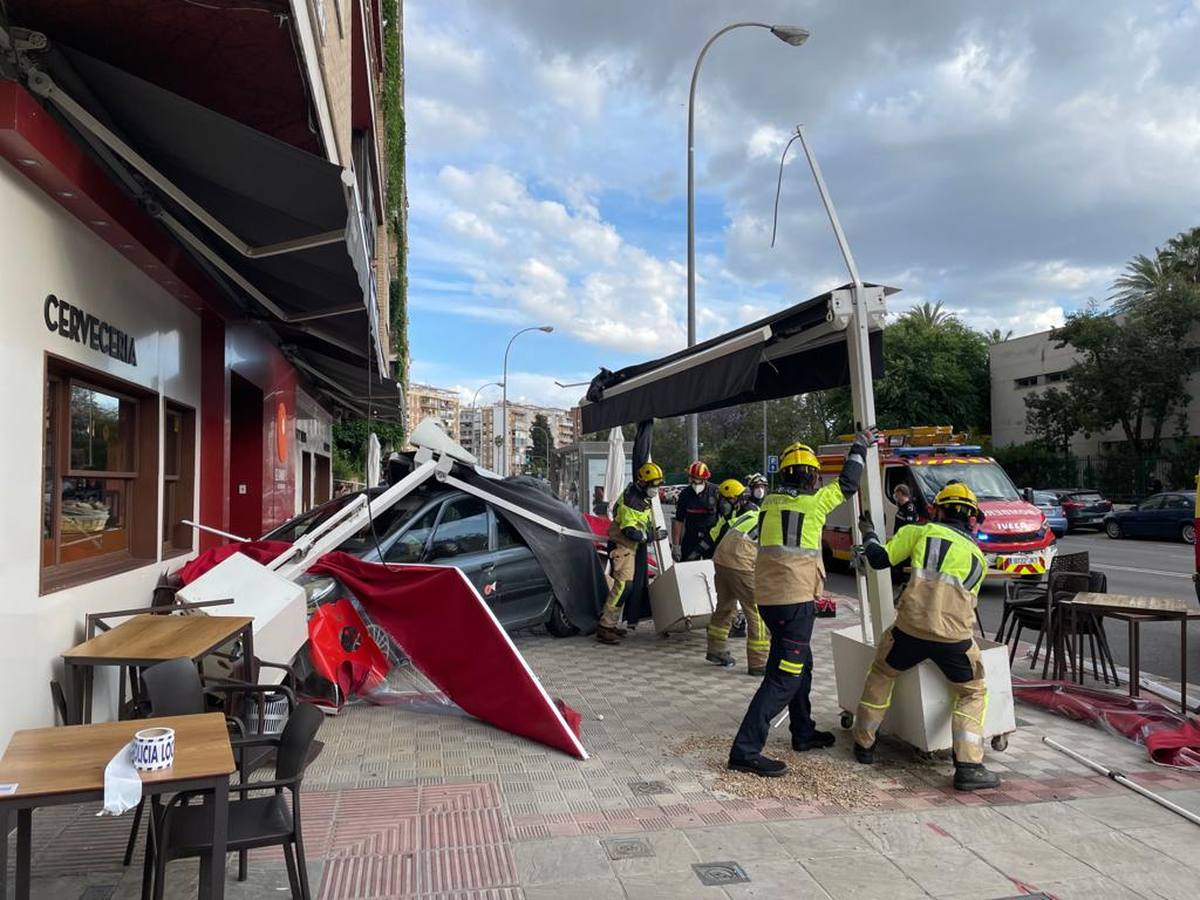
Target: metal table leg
column 24, row 852
column 1135, row 658
column 5, row 825
column 212, row 870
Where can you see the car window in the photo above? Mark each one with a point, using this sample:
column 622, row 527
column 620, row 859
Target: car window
column 410, row 546
column 1045, row 498
column 463, row 529
column 1088, row 497
column 293, row 529
column 1177, row 501
column 506, row 535
column 386, row 524
column 1155, row 502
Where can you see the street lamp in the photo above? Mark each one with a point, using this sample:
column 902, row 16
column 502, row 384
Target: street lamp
column 478, row 417
column 789, row 34
column 504, row 401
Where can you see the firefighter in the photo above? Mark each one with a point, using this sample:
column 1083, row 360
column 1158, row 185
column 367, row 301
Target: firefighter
column 758, row 486
column 906, row 507
column 786, row 578
column 695, row 514
column 632, row 527
column 934, row 620
column 733, row 567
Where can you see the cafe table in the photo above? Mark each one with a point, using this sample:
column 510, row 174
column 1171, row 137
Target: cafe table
column 1133, row 611
column 62, row 766
column 147, row 639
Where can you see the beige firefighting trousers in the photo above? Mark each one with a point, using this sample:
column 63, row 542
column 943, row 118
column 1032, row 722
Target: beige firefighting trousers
column 736, row 588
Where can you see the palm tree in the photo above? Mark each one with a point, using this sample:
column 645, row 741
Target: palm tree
column 1142, row 279
column 996, row 336
column 931, row 314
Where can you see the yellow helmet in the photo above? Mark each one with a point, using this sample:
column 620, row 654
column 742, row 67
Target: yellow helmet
column 957, row 494
column 731, row 489
column 798, row 454
column 649, row 473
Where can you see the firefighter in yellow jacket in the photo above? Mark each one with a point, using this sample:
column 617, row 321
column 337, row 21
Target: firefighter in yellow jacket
column 935, row 620
column 632, row 527
column 786, row 576
column 735, row 538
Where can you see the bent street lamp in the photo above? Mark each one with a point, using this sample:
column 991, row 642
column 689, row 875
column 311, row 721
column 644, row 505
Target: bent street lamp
column 504, row 401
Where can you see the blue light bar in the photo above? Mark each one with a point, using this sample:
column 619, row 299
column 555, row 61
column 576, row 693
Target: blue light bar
column 940, row 449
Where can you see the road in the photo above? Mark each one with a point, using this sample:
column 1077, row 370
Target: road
column 1154, row 568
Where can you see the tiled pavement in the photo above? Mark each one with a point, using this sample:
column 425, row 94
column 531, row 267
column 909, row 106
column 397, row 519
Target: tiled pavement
column 406, row 804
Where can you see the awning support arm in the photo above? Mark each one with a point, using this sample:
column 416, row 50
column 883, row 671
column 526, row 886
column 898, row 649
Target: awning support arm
column 43, row 85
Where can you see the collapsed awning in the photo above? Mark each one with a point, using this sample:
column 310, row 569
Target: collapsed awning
column 286, row 228
column 797, row 350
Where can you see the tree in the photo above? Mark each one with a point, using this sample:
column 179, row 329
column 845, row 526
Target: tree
column 350, row 445
column 996, row 336
column 935, row 372
column 541, row 442
column 1051, row 418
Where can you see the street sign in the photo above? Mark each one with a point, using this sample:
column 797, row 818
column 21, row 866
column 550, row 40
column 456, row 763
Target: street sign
column 772, row 465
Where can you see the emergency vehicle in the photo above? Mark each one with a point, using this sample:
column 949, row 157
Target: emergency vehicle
column 1014, row 534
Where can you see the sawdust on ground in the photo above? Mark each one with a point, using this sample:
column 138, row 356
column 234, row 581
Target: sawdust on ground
column 816, row 777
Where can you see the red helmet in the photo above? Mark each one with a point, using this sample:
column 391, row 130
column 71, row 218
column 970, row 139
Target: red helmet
column 699, row 470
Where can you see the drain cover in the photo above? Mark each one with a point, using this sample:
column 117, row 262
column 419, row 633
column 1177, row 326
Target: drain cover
column 628, row 848
column 646, row 788
column 719, row 873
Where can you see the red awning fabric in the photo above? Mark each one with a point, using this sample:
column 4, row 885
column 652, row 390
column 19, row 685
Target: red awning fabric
column 1171, row 738
column 451, row 636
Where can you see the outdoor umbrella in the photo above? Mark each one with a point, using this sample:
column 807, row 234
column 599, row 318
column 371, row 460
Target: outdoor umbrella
column 614, row 477
column 374, row 460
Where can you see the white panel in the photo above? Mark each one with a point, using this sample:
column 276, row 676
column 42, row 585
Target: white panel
column 684, row 596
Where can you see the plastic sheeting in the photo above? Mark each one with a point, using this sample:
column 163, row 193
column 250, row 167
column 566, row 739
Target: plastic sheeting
column 1171, row 738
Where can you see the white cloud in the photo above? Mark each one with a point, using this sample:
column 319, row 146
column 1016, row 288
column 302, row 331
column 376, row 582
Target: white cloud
column 439, row 125
column 576, row 85
column 766, row 142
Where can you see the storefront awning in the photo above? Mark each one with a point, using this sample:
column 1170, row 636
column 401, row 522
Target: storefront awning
column 284, row 227
column 797, row 350
column 354, row 386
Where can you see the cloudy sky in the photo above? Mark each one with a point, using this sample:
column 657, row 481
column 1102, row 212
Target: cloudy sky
column 1003, row 158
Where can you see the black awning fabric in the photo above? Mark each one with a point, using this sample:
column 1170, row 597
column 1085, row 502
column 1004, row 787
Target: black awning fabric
column 355, row 385
column 263, row 190
column 761, row 371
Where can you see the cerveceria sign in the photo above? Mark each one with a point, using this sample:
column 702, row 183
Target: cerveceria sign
column 74, row 324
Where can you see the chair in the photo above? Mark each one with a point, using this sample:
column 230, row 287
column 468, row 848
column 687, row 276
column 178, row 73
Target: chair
column 1032, row 595
column 1088, row 626
column 174, row 688
column 1045, row 614
column 183, row 830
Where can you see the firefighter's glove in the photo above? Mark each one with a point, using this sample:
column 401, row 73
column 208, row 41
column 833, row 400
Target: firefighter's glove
column 858, row 559
column 676, row 553
column 634, row 534
column 868, row 437
column 866, row 527
column 660, row 534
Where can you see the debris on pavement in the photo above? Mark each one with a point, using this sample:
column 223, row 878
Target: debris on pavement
column 829, row 777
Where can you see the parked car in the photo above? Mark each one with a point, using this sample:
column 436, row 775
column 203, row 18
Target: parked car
column 1085, row 508
column 439, row 526
column 1056, row 518
column 1167, row 515
column 669, row 493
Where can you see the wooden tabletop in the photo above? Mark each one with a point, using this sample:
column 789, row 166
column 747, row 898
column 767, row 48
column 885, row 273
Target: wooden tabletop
column 1133, row 604
column 45, row 762
column 147, row 639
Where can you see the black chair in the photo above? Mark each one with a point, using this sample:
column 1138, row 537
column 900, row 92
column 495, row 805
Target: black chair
column 1032, row 596
column 1053, row 624
column 175, row 688
column 183, row 830
column 1086, row 628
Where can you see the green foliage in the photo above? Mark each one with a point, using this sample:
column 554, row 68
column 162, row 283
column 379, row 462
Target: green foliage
column 398, row 302
column 540, row 447
column 394, row 139
column 935, row 372
column 350, row 445
column 1051, row 418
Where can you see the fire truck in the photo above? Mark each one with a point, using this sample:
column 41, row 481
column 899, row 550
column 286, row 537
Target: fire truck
column 1014, row 535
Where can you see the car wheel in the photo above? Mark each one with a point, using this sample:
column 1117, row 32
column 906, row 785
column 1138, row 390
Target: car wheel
column 1188, row 532
column 1112, row 528
column 558, row 624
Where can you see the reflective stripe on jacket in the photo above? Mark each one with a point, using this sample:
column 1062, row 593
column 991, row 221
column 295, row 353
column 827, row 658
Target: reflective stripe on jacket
column 788, row 567
column 737, row 548
column 632, row 510
column 948, row 569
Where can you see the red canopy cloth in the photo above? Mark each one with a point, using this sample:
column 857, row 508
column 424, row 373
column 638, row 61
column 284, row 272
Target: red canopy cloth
column 435, row 614
column 1171, row 738
column 453, row 638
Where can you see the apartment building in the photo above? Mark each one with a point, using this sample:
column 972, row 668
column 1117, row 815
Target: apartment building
column 480, row 433
column 424, row 401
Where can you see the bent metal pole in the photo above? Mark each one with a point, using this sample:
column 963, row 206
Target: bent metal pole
column 1120, row 778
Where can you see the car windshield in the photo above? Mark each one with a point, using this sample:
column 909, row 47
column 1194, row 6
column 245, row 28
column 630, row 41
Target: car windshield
column 1045, row 498
column 1089, row 497
column 985, row 478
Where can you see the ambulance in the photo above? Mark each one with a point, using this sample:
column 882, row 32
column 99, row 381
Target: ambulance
column 1014, row 534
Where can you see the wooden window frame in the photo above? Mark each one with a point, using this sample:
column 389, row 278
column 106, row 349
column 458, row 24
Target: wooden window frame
column 186, row 474
column 141, row 488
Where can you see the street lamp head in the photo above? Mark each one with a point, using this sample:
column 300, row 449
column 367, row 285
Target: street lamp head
column 546, row 328
column 790, row 34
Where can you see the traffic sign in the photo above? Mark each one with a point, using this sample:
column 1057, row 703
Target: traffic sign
column 772, row 465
